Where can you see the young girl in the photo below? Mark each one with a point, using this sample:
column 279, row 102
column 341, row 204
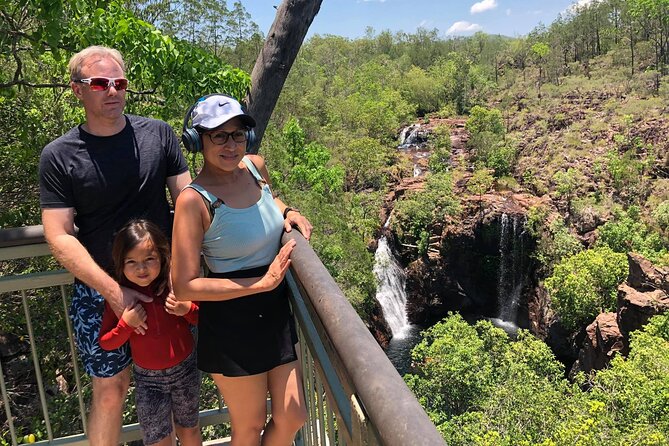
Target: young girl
column 167, row 382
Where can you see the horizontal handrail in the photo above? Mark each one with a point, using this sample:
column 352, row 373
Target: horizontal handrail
column 394, row 411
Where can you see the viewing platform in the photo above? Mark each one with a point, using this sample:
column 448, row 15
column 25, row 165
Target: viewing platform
column 354, row 394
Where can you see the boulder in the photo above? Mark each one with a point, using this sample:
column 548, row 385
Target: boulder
column 644, row 276
column 602, row 341
column 636, row 307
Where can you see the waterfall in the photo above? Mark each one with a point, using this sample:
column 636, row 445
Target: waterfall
column 412, row 136
column 390, row 291
column 510, row 278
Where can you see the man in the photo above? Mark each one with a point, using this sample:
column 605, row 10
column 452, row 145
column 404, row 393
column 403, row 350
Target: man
column 102, row 173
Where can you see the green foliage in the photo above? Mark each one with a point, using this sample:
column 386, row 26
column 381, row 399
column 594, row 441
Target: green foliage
column 661, row 215
column 636, row 388
column 440, row 138
column 566, row 185
column 585, row 284
column 417, row 211
column 540, row 50
column 500, row 157
column 440, row 141
column 454, row 372
column 488, row 141
column 626, row 172
column 480, row 182
column 423, row 90
column 627, row 232
column 554, row 242
column 365, row 161
column 515, row 393
column 463, row 371
column 309, row 164
column 482, row 119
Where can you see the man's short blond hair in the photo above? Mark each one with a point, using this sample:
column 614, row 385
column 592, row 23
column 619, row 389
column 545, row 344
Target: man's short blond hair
column 77, row 61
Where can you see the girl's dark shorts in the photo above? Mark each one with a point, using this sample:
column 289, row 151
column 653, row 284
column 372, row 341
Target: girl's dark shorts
column 163, row 394
column 247, row 335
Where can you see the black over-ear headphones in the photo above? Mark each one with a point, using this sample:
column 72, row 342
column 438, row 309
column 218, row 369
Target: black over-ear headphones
column 192, row 139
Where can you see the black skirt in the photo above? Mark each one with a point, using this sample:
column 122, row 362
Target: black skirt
column 246, row 335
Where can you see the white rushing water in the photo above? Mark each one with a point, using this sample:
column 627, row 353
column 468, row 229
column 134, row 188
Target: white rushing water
column 390, row 291
column 509, row 282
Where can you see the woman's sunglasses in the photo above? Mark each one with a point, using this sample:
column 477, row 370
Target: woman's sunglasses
column 104, row 83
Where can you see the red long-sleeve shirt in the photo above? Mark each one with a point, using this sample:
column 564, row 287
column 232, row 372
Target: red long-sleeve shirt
column 168, row 339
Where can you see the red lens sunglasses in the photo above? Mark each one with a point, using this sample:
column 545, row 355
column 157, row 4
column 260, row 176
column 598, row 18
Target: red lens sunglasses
column 104, row 83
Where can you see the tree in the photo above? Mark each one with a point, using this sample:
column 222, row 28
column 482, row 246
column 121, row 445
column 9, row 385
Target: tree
column 480, row 183
column 586, row 284
column 276, row 58
column 540, row 52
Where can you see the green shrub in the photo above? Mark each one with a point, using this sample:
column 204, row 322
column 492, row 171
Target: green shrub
column 661, row 215
column 482, row 119
column 627, row 232
column 417, row 211
column 586, row 284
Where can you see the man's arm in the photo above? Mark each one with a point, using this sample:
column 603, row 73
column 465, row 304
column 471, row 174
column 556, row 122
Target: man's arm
column 59, row 233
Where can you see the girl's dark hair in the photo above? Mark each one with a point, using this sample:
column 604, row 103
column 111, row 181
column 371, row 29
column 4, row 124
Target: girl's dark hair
column 131, row 235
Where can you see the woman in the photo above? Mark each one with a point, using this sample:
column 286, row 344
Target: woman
column 246, row 333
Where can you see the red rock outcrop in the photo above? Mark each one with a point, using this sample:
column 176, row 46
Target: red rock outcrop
column 641, row 297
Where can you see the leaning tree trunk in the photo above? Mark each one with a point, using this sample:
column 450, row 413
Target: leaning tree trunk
column 271, row 69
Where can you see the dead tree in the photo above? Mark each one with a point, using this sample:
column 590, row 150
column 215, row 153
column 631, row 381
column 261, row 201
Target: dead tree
column 285, row 37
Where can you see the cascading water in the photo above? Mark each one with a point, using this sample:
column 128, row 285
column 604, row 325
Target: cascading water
column 390, row 291
column 510, row 278
column 391, row 295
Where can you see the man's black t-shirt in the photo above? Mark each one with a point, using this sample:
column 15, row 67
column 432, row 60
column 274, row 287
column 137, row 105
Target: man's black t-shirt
column 111, row 180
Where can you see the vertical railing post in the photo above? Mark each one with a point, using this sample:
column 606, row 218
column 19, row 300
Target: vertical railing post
column 8, row 411
column 75, row 363
column 38, row 370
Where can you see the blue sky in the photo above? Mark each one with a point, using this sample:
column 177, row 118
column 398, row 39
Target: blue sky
column 350, row 18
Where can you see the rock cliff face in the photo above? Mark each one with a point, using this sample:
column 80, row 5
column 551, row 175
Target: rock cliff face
column 642, row 296
column 467, row 271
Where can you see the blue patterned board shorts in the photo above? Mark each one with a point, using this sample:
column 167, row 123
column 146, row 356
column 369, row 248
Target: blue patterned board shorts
column 163, row 395
column 86, row 315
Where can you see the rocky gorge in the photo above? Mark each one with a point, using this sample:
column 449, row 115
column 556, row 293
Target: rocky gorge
column 482, row 266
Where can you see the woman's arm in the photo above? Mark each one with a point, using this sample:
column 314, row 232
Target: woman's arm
column 292, row 217
column 191, row 217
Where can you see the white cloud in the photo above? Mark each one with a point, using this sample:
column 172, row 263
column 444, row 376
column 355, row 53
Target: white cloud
column 483, row 5
column 580, row 4
column 508, row 13
column 463, row 27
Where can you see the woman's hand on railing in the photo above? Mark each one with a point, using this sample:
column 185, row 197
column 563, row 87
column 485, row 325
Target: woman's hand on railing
column 278, row 267
column 294, row 218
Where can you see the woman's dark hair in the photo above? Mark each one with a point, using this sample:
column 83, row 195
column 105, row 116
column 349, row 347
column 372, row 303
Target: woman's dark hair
column 131, row 235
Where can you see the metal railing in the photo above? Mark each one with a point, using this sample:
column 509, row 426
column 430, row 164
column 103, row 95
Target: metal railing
column 354, row 394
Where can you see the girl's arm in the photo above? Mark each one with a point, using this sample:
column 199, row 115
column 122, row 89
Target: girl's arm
column 186, row 308
column 114, row 332
column 191, row 218
column 193, row 315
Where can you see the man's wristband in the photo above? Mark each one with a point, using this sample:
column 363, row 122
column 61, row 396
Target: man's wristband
column 289, row 209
